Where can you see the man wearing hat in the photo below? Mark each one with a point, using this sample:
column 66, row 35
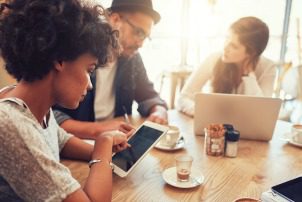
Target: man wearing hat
column 122, row 81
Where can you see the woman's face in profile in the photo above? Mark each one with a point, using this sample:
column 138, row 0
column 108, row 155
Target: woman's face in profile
column 73, row 80
column 234, row 51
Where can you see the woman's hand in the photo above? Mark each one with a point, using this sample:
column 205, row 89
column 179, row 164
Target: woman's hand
column 119, row 139
column 126, row 128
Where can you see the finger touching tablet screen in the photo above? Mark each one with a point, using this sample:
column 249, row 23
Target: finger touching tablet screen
column 145, row 137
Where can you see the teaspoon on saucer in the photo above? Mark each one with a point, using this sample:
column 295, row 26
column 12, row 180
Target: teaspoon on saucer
column 181, row 139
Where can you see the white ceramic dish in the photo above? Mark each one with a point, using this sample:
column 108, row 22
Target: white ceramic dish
column 290, row 141
column 288, row 137
column 179, row 145
column 170, row 177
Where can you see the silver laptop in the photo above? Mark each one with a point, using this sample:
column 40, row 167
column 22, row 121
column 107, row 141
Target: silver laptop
column 254, row 117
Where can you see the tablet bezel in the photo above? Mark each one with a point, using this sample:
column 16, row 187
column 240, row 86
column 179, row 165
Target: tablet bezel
column 120, row 172
column 277, row 188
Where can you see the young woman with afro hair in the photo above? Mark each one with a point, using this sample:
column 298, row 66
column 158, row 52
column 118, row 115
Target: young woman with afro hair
column 51, row 47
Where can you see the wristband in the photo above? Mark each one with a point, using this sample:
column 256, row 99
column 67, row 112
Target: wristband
column 93, row 161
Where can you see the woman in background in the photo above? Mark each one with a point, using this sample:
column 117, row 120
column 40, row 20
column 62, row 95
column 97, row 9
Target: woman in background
column 240, row 69
column 51, row 47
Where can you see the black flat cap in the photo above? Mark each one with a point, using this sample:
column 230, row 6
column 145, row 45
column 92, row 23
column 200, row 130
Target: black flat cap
column 144, row 6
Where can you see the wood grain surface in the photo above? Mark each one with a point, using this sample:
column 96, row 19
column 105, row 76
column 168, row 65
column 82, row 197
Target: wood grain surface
column 257, row 167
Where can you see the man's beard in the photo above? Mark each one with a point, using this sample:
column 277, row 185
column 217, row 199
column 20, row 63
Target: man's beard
column 130, row 51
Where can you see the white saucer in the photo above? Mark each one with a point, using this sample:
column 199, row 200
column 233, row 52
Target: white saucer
column 288, row 137
column 290, row 141
column 162, row 146
column 170, row 177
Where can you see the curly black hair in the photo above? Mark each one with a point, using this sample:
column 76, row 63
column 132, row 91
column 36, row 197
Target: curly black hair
column 36, row 33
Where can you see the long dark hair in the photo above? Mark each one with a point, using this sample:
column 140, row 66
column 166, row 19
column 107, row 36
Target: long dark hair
column 253, row 34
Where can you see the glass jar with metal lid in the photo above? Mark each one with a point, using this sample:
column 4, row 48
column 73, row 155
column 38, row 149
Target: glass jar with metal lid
column 231, row 146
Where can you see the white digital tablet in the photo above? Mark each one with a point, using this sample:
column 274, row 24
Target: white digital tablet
column 144, row 138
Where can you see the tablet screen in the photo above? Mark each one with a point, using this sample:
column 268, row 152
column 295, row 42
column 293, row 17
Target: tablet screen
column 143, row 139
column 290, row 189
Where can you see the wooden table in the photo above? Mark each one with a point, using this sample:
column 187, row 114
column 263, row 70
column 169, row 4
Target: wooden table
column 257, row 167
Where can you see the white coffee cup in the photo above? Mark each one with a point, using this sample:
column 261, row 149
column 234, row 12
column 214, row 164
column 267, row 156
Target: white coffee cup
column 297, row 133
column 172, row 136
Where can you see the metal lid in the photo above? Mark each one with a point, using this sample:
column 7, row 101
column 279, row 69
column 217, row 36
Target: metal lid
column 228, row 126
column 232, row 135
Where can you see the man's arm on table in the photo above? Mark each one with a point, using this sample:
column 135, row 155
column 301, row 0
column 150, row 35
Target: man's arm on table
column 149, row 102
column 88, row 129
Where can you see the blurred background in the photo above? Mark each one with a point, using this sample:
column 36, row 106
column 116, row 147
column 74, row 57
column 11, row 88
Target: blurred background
column 190, row 30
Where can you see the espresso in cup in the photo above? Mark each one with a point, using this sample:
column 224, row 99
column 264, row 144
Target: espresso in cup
column 183, row 167
column 297, row 133
column 183, row 175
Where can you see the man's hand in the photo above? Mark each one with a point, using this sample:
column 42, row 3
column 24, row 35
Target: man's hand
column 110, row 125
column 158, row 114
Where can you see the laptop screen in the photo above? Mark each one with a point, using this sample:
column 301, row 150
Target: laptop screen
column 255, row 117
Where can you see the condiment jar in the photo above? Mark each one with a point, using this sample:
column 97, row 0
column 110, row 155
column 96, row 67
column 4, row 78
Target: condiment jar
column 231, row 146
column 214, row 139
